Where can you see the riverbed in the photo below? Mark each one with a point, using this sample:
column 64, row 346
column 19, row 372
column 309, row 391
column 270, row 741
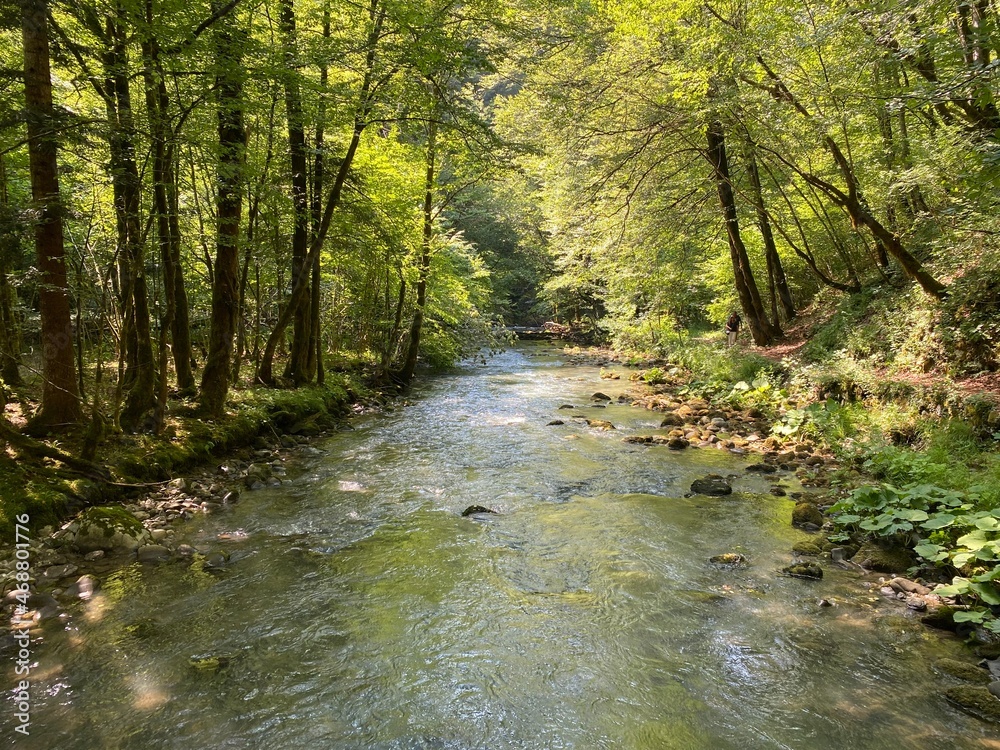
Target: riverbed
column 360, row 609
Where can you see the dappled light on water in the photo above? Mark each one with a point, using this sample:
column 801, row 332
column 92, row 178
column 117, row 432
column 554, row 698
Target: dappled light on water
column 358, row 608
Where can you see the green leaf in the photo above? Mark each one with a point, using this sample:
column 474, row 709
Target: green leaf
column 928, row 551
column 939, row 521
column 960, row 560
column 974, row 540
column 848, row 518
column 957, row 587
column 971, row 615
column 986, row 591
column 912, row 514
column 989, row 523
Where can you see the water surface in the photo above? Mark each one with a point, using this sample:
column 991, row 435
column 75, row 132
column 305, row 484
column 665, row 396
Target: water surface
column 360, row 610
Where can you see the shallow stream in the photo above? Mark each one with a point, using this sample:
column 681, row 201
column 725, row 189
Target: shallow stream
column 361, row 610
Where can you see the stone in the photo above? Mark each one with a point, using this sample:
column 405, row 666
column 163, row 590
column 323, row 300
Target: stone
column 97, row 554
column 233, row 496
column 713, row 485
column 677, row 443
column 804, row 570
column 566, row 406
column 778, row 491
column 84, row 587
column 178, row 484
column 153, row 553
column 474, row 509
column 59, row 571
column 977, row 701
column 806, row 513
column 600, row 397
column 555, row 422
column 762, row 468
column 186, row 550
column 873, row 556
column 672, row 420
column 907, row 586
column 158, row 535
column 729, row 558
column 963, row 670
column 108, row 528
column 600, row 424
column 806, row 548
column 815, row 461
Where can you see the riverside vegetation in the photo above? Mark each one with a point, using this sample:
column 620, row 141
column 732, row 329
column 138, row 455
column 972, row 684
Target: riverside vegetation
column 220, row 222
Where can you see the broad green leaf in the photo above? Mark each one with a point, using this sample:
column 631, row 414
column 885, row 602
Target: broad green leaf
column 974, row 540
column 938, row 521
column 971, row 615
column 986, row 591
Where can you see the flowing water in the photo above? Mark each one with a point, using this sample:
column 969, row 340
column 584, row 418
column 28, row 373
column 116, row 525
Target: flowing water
column 361, row 610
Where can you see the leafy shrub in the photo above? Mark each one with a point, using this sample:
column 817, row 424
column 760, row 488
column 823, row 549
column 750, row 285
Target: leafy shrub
column 969, row 325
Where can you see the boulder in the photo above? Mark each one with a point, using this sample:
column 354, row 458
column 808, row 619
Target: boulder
column 978, row 701
column 677, row 444
column 762, row 468
column 806, row 513
column 884, row 559
column 600, row 397
column 672, row 420
column 153, row 553
column 963, row 670
column 803, row 570
column 107, row 528
column 474, row 509
column 713, row 485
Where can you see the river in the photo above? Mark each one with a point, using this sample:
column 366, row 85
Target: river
column 359, row 609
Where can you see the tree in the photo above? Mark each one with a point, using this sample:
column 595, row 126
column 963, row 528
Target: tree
column 60, row 396
column 229, row 205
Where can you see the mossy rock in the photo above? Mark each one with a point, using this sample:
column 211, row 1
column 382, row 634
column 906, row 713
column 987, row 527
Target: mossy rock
column 885, row 559
column 806, row 513
column 806, row 548
column 108, row 528
column 810, row 571
column 731, row 559
column 977, row 701
column 963, row 670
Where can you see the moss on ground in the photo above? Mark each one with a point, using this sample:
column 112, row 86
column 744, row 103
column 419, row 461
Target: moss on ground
column 46, row 495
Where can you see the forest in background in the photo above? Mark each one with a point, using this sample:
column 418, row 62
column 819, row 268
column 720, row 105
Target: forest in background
column 201, row 196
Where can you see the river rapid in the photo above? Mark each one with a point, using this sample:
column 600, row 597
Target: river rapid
column 359, row 609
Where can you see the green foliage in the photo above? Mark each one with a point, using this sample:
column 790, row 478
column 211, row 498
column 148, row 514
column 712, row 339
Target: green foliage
column 951, row 530
column 969, row 326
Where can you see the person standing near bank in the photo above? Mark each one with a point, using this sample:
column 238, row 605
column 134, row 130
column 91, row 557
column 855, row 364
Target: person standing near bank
column 732, row 328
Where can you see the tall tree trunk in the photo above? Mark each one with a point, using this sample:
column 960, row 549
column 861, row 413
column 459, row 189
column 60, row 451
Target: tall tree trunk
column 300, row 288
column 60, row 397
column 316, row 345
column 761, row 329
column 298, row 361
column 140, row 374
column 229, row 202
column 10, row 345
column 775, row 271
column 423, row 271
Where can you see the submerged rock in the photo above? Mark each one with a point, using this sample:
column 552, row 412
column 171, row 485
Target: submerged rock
column 807, row 513
column 762, row 468
column 600, row 424
column 555, row 422
column 977, row 701
column 729, row 558
column 153, row 553
column 963, row 670
column 474, row 509
column 804, row 570
column 713, row 485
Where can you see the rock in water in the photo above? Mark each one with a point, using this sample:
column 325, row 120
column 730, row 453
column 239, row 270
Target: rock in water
column 729, row 558
column 107, row 528
column 803, row 570
column 600, row 397
column 713, row 484
column 473, row 509
column 806, row 513
column 762, row 468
